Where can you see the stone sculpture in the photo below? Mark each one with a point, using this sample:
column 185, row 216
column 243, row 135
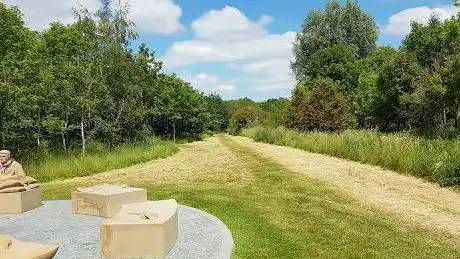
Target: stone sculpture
column 12, row 176
column 105, row 200
column 18, row 192
column 11, row 248
column 140, row 230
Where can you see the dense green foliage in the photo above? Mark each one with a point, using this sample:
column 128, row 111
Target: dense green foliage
column 243, row 113
column 347, row 25
column 420, row 87
column 318, row 105
column 71, row 85
column 435, row 160
column 415, row 88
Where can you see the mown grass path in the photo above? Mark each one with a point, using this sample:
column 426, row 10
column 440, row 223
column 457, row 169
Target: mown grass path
column 286, row 203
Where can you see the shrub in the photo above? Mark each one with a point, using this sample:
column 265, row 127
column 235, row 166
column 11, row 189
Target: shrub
column 318, row 106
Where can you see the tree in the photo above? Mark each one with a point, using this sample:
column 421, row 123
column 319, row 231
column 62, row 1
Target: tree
column 15, row 42
column 217, row 112
column 432, row 43
column 365, row 96
column 18, row 71
column 396, row 80
column 273, row 112
column 433, row 101
column 318, row 105
column 338, row 24
column 338, row 63
column 243, row 117
column 243, row 113
column 450, row 75
column 72, row 85
column 425, row 105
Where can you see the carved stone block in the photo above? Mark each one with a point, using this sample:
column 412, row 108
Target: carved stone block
column 19, row 202
column 141, row 230
column 105, row 200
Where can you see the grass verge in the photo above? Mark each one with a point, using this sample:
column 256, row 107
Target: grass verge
column 69, row 166
column 436, row 160
column 275, row 213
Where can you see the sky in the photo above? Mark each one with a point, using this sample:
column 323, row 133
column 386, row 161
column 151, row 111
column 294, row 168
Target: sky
column 236, row 48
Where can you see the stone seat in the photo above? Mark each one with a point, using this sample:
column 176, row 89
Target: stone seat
column 140, row 230
column 105, row 200
column 19, row 202
column 13, row 249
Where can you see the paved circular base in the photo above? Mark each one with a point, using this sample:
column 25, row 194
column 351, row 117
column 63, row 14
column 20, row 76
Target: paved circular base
column 201, row 235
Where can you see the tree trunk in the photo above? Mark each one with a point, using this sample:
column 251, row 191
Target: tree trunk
column 457, row 119
column 63, row 141
column 4, row 73
column 174, row 132
column 120, row 110
column 444, row 117
column 83, row 140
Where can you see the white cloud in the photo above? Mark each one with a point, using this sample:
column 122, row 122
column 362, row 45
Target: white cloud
column 228, row 35
column 198, row 51
column 269, row 75
column 225, row 88
column 260, row 59
column 158, row 16
column 228, row 24
column 38, row 15
column 399, row 24
column 208, row 83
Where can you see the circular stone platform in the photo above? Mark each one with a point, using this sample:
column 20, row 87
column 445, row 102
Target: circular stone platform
column 201, row 235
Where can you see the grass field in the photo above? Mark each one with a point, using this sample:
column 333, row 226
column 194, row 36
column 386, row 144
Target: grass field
column 437, row 160
column 271, row 211
column 68, row 166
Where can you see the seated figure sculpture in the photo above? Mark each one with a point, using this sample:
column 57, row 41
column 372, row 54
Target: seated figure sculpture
column 18, row 192
column 12, row 176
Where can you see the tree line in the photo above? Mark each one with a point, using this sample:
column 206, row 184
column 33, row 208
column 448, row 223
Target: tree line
column 80, row 83
column 344, row 80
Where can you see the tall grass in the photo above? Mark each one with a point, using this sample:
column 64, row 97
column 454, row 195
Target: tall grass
column 437, row 160
column 100, row 159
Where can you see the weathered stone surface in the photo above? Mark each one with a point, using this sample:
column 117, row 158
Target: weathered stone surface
column 105, row 200
column 19, row 202
column 11, row 248
column 141, row 230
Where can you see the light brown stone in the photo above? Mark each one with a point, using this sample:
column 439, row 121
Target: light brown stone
column 10, row 248
column 105, row 200
column 19, row 202
column 141, row 230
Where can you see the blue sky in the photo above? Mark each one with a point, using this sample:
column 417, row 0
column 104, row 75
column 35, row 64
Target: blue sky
column 237, row 48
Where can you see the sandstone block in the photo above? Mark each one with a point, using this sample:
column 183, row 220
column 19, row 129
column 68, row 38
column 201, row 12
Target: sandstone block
column 141, row 230
column 19, row 202
column 105, row 200
column 13, row 249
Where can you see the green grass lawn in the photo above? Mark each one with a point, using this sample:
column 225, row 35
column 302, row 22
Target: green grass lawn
column 275, row 213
